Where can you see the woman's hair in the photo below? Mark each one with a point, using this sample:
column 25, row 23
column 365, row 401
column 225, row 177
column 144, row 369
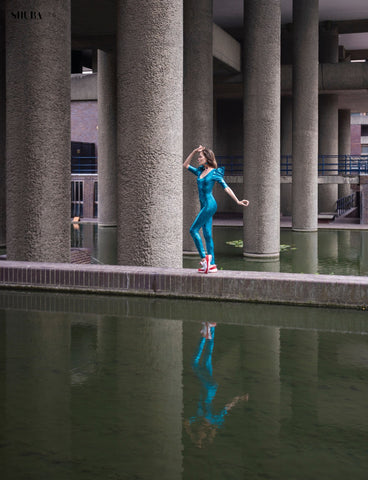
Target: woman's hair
column 210, row 157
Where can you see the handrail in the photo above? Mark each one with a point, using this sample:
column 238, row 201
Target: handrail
column 82, row 166
column 327, row 164
column 346, row 203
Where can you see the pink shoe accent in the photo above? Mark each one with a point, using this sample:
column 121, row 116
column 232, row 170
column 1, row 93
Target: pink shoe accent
column 208, row 261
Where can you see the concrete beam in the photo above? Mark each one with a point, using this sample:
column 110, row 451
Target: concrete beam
column 83, row 87
column 226, row 48
column 339, row 78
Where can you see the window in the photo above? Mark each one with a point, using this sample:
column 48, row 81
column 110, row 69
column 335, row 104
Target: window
column 77, row 199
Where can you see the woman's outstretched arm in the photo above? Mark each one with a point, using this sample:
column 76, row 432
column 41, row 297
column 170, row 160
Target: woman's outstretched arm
column 191, row 155
column 244, row 203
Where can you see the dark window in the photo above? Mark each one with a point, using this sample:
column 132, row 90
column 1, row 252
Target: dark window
column 83, row 157
column 364, row 131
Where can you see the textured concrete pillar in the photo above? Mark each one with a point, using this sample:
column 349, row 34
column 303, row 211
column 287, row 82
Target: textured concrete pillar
column 2, row 127
column 107, row 164
column 344, row 147
column 150, row 129
column 38, row 130
column 198, row 99
column 286, row 149
column 328, row 145
column 262, row 127
column 328, row 43
column 328, row 118
column 305, row 115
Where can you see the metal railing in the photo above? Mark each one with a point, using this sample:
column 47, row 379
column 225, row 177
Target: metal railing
column 84, row 165
column 327, row 164
column 347, row 203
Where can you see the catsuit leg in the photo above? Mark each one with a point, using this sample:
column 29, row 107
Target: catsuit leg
column 204, row 221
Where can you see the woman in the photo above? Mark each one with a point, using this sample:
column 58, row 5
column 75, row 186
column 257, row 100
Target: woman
column 207, row 174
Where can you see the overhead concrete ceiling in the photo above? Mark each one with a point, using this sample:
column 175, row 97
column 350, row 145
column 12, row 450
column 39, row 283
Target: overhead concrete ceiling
column 98, row 17
column 228, row 14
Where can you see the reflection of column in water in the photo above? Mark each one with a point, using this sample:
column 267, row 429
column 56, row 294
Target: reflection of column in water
column 305, row 255
column 299, row 371
column 364, row 253
column 107, row 246
column 344, row 246
column 261, row 367
column 328, row 244
column 150, row 397
column 262, row 265
column 37, row 395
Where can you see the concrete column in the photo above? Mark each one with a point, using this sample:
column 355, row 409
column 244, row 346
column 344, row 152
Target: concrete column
column 328, row 145
column 150, row 130
column 305, row 115
column 344, row 147
column 2, row 127
column 262, row 21
column 286, row 149
column 328, row 118
column 107, row 164
column 198, row 99
column 38, row 130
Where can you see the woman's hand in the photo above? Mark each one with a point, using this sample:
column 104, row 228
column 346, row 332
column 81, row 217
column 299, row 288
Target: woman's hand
column 199, row 149
column 244, row 203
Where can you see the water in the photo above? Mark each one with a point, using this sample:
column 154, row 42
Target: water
column 330, row 252
column 108, row 388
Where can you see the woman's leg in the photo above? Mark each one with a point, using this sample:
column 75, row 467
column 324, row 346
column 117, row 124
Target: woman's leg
column 194, row 231
column 207, row 233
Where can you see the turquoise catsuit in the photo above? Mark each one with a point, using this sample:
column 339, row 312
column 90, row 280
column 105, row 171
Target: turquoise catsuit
column 208, row 208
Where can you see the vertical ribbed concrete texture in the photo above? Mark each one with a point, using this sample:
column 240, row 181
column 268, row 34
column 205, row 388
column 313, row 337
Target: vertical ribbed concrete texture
column 328, row 145
column 150, row 131
column 344, row 146
column 2, row 127
column 286, row 149
column 38, row 131
column 107, row 154
column 262, row 127
column 198, row 100
column 328, row 119
column 305, row 115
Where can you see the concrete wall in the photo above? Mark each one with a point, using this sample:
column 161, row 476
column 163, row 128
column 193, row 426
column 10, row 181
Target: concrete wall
column 84, row 87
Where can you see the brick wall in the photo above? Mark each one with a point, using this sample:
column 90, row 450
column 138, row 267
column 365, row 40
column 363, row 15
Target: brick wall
column 84, row 124
column 355, row 139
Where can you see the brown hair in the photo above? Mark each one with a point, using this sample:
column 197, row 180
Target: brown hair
column 210, row 157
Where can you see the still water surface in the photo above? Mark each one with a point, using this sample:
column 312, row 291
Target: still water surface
column 128, row 388
column 330, row 252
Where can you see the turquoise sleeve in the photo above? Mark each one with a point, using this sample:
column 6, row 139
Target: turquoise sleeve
column 219, row 177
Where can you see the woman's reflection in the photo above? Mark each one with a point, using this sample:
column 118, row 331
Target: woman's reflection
column 202, row 428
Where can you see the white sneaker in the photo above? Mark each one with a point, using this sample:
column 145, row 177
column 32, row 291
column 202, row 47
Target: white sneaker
column 212, row 269
column 203, row 266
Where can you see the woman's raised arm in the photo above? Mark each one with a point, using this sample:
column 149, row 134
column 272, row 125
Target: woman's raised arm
column 191, row 155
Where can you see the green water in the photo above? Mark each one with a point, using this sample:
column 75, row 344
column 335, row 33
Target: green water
column 330, row 252
column 106, row 388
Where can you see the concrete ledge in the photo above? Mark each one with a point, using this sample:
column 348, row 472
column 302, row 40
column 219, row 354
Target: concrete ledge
column 261, row 287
